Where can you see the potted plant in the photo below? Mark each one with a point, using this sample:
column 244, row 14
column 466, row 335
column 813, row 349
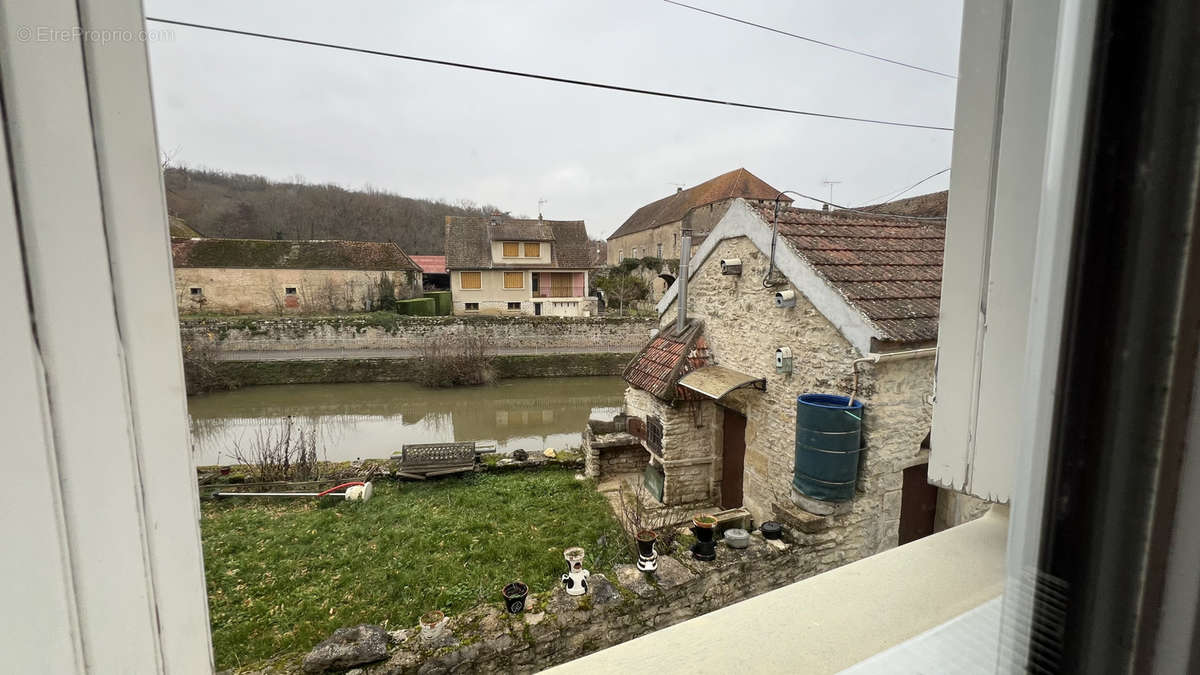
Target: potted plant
column 703, row 526
column 432, row 624
column 645, row 543
column 514, row 597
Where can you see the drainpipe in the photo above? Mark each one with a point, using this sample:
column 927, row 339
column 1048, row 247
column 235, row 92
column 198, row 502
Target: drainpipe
column 874, row 357
column 685, row 254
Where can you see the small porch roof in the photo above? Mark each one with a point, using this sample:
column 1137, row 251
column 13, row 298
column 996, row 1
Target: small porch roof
column 717, row 381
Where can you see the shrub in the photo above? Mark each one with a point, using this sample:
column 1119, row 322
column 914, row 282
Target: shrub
column 639, row 511
column 286, row 451
column 387, row 293
column 465, row 359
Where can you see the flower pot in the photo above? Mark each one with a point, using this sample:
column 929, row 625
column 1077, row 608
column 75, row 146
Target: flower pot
column 432, row 625
column 702, row 527
column 514, row 597
column 645, row 543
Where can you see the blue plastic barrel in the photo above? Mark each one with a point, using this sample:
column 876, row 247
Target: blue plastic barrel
column 828, row 445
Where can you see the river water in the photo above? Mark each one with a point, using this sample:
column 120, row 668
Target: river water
column 375, row 419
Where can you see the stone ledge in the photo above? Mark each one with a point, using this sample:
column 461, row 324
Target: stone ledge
column 556, row 627
column 799, row 519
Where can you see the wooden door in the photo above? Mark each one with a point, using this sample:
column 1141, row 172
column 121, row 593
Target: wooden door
column 918, row 504
column 733, row 459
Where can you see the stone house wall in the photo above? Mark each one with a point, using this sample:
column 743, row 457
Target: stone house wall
column 690, row 464
column 227, row 290
column 701, row 220
column 743, row 328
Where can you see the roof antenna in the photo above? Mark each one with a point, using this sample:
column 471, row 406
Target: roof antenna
column 830, row 183
column 541, row 201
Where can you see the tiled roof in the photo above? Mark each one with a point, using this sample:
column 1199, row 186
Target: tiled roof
column 430, row 264
column 469, row 242
column 888, row 268
column 736, row 183
column 665, row 359
column 932, row 204
column 285, row 254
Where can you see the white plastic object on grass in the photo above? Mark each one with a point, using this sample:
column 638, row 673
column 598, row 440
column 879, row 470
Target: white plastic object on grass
column 356, row 493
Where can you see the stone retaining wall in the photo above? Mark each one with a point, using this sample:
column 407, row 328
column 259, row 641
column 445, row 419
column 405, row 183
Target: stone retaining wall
column 414, row 332
column 329, row 371
column 556, row 628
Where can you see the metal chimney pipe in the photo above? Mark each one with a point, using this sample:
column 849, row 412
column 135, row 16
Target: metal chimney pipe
column 685, row 255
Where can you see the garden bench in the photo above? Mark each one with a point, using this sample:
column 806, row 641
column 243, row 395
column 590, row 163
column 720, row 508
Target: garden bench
column 424, row 460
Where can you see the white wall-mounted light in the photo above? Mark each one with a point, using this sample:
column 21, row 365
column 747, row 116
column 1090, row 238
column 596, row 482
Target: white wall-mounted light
column 785, row 299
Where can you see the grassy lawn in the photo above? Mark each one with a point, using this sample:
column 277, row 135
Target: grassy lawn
column 282, row 575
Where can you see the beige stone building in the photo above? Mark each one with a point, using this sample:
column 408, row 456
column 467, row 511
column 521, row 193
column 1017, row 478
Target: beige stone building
column 858, row 310
column 250, row 276
column 501, row 265
column 653, row 230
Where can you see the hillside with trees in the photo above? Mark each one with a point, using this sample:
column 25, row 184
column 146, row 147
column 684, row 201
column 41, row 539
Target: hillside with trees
column 221, row 204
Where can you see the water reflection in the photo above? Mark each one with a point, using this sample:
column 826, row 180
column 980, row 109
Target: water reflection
column 372, row 420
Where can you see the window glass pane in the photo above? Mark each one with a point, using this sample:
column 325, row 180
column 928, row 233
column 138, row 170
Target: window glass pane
column 471, row 280
column 514, row 279
column 511, row 249
column 533, row 250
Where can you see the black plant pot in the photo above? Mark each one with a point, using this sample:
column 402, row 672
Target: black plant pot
column 645, row 543
column 704, row 548
column 514, row 597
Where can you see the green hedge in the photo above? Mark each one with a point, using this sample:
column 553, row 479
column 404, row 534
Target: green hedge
column 418, row 307
column 444, row 302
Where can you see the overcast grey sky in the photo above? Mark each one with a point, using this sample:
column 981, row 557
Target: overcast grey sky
column 255, row 106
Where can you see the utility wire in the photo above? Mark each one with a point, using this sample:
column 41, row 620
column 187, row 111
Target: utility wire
column 890, row 197
column 814, row 40
column 547, row 78
column 850, row 209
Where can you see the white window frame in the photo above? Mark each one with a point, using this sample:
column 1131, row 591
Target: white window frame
column 106, row 510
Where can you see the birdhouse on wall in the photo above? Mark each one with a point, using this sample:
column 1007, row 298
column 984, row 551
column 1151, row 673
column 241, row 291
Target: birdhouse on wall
column 783, row 360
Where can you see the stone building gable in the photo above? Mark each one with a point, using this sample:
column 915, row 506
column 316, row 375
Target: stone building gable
column 743, row 328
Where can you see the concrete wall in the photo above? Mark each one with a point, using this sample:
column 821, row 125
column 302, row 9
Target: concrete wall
column 492, row 298
column 413, row 332
column 543, row 257
column 264, row 291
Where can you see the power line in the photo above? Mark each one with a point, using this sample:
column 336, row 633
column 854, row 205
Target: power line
column 888, row 197
column 547, row 78
column 850, row 209
column 814, row 40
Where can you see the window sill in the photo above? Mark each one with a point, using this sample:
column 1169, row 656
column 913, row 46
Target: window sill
column 834, row 620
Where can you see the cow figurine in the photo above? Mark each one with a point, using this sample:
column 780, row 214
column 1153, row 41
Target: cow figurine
column 576, row 578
